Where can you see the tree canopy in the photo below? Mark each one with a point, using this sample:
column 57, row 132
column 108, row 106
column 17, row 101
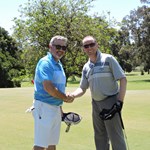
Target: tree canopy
column 137, row 25
column 10, row 66
column 41, row 20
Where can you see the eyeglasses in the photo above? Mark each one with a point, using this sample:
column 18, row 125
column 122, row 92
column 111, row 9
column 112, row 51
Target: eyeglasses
column 89, row 45
column 59, row 47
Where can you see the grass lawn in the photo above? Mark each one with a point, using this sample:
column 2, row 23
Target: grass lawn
column 138, row 82
column 16, row 127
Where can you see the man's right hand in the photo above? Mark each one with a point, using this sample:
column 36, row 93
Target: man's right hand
column 69, row 98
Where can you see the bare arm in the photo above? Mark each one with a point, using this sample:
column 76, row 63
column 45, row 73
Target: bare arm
column 122, row 92
column 53, row 91
column 78, row 92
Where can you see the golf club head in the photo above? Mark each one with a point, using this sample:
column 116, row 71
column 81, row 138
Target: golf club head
column 71, row 119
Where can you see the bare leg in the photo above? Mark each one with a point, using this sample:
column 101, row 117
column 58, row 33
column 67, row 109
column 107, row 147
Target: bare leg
column 38, row 148
column 51, row 147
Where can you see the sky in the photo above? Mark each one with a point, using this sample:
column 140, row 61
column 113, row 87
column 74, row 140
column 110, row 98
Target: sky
column 117, row 8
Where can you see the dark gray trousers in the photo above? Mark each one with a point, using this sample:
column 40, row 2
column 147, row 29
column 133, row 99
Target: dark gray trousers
column 108, row 130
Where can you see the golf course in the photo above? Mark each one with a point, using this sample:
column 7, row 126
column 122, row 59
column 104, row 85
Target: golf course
column 16, row 126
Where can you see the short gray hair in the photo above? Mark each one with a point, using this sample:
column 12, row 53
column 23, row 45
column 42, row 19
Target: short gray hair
column 89, row 36
column 58, row 37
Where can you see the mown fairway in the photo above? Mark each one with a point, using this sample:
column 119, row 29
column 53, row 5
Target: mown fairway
column 16, row 127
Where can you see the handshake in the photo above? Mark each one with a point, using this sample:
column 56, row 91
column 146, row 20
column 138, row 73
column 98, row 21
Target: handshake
column 69, row 98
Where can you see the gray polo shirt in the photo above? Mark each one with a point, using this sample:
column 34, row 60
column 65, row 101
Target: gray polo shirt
column 102, row 76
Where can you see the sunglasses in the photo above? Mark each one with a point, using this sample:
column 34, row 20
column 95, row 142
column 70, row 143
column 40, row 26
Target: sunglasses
column 89, row 45
column 59, row 47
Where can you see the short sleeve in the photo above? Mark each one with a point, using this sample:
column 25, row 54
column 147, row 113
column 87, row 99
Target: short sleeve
column 117, row 71
column 84, row 84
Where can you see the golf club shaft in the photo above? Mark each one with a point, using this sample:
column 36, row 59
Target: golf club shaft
column 122, row 124
column 68, row 127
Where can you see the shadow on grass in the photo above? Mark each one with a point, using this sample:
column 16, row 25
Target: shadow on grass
column 138, row 81
column 73, row 82
column 132, row 74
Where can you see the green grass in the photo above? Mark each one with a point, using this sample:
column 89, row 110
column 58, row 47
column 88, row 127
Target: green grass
column 16, row 127
column 138, row 82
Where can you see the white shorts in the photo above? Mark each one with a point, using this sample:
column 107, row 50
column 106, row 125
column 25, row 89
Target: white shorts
column 47, row 123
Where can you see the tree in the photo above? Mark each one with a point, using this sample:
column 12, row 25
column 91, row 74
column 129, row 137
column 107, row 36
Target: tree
column 10, row 66
column 138, row 27
column 145, row 1
column 122, row 49
column 43, row 19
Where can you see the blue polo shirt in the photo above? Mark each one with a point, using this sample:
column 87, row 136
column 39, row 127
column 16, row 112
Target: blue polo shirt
column 48, row 69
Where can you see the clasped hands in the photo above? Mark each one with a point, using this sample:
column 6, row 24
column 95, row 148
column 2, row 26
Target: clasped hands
column 69, row 98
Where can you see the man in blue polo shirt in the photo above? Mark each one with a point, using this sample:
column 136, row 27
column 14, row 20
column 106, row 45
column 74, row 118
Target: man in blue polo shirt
column 101, row 74
column 49, row 95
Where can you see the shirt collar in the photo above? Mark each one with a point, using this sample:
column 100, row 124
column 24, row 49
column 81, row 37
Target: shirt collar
column 50, row 56
column 98, row 56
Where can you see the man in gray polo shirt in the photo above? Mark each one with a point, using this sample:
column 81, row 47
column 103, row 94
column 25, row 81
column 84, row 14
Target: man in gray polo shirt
column 101, row 74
